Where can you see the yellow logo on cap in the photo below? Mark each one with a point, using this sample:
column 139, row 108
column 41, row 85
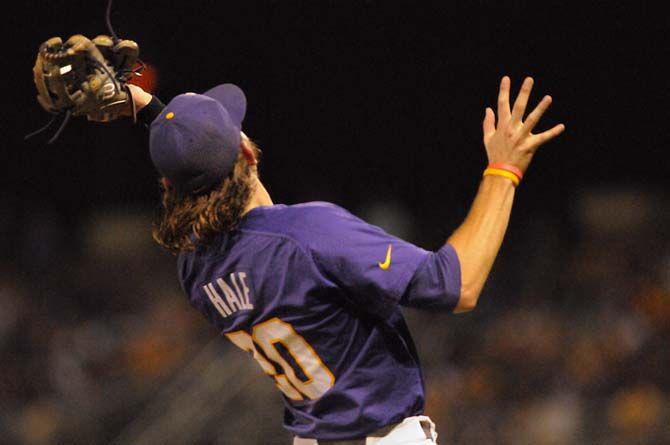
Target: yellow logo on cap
column 169, row 116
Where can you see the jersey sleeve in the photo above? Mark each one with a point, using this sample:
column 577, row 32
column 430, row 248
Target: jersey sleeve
column 436, row 283
column 373, row 267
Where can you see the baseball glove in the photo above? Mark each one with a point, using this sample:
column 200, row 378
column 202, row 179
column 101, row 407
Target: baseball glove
column 82, row 77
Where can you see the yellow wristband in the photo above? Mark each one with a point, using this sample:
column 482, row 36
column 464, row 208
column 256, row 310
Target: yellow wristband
column 504, row 173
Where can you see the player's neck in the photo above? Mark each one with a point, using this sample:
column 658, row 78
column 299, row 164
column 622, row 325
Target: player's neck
column 259, row 197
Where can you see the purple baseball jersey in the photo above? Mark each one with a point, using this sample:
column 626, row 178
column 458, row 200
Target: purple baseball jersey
column 313, row 293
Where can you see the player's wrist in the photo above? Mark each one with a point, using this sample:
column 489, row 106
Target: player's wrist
column 150, row 111
column 506, row 171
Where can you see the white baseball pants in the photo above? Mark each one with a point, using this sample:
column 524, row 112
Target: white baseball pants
column 417, row 430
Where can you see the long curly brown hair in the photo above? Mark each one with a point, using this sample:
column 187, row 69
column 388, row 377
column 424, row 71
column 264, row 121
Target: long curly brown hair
column 185, row 221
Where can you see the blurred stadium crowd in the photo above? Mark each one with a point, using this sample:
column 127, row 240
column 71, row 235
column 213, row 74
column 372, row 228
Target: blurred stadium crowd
column 570, row 344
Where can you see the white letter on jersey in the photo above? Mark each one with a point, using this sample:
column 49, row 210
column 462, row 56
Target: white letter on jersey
column 216, row 300
column 245, row 296
column 233, row 301
column 237, row 300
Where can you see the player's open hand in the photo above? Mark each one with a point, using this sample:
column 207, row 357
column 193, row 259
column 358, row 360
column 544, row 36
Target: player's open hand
column 511, row 140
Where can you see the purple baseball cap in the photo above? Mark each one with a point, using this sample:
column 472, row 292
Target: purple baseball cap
column 195, row 140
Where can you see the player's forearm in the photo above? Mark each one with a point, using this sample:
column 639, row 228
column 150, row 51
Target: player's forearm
column 478, row 240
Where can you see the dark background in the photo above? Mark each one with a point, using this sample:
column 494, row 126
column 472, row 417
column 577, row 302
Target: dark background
column 376, row 106
column 381, row 97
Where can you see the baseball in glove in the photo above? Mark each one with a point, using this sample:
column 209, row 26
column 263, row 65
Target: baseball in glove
column 82, row 77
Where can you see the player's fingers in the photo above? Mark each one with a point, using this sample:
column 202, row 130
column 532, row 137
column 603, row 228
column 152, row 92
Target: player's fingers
column 503, row 99
column 548, row 135
column 522, row 99
column 489, row 124
column 535, row 115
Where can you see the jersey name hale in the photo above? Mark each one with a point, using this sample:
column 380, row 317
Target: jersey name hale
column 233, row 299
column 312, row 293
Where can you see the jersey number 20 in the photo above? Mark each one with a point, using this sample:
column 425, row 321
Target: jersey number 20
column 267, row 335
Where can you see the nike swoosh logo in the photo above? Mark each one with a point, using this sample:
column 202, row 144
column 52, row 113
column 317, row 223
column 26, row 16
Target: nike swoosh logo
column 387, row 263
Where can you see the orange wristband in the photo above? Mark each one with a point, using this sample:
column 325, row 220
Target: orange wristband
column 509, row 168
column 504, row 173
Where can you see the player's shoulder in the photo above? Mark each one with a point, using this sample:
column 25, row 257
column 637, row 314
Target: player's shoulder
column 301, row 222
column 295, row 221
column 318, row 209
column 296, row 214
column 314, row 207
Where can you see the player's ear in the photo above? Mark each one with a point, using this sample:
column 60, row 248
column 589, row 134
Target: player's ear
column 247, row 151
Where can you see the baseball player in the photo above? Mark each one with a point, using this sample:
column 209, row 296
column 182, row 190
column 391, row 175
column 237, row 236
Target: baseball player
column 310, row 291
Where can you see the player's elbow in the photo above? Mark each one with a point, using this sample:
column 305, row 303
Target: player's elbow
column 468, row 299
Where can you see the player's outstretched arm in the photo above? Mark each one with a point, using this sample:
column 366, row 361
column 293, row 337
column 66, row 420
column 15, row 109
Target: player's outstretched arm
column 509, row 141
